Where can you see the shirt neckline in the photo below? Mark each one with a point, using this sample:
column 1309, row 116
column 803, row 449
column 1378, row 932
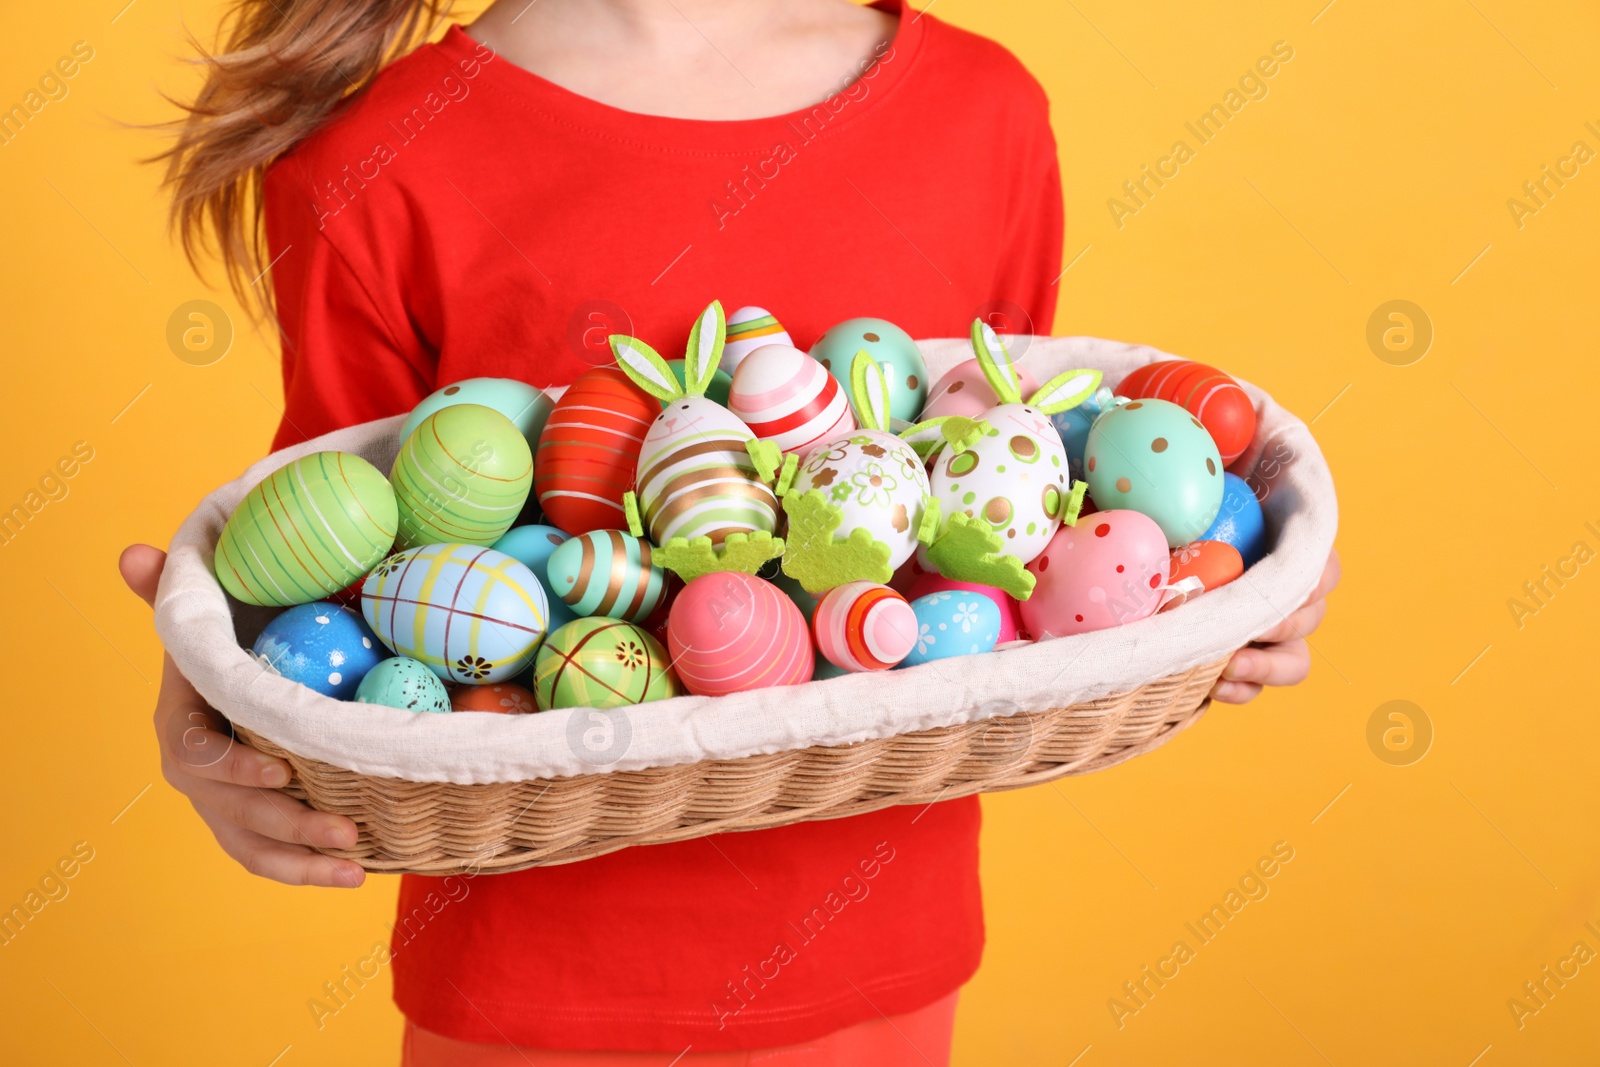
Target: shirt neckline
column 706, row 135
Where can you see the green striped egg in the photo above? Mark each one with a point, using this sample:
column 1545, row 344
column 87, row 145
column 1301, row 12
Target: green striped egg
column 696, row 478
column 461, row 477
column 607, row 572
column 308, row 530
column 602, row 663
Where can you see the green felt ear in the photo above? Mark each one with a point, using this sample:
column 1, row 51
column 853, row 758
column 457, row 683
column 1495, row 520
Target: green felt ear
column 819, row 562
column 746, row 553
column 957, row 431
column 765, row 457
column 869, row 391
column 932, row 516
column 969, row 551
column 786, row 473
column 706, row 339
column 996, row 363
column 630, row 509
column 1072, row 503
column 1065, row 391
column 646, row 367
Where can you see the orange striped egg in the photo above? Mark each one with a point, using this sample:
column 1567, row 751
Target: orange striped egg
column 863, row 626
column 790, row 399
column 696, row 478
column 588, row 450
column 729, row 632
column 748, row 329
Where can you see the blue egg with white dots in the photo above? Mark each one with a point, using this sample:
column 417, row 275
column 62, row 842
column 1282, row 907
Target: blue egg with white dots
column 322, row 646
column 1073, row 426
column 532, row 546
column 953, row 623
column 1239, row 521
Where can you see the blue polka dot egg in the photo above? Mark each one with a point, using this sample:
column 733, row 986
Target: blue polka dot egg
column 322, row 645
column 956, row 623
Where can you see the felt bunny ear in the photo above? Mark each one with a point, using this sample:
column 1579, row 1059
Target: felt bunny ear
column 646, row 367
column 1065, row 391
column 996, row 363
column 700, row 360
column 869, row 390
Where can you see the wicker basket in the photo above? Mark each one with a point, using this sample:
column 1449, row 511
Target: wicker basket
column 441, row 828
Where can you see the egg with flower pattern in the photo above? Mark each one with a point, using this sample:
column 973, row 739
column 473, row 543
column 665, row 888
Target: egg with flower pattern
column 953, row 624
column 877, row 481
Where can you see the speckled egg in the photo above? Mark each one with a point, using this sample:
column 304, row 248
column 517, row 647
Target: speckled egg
column 965, row 391
column 953, row 624
column 323, row 646
column 1014, row 478
column 863, row 626
column 1154, row 457
column 471, row 614
column 404, row 683
column 1211, row 396
column 1105, row 571
column 892, row 349
column 525, row 405
column 1239, row 521
column 696, row 478
column 730, row 632
column 307, row 530
column 790, row 399
column 1010, row 613
column 748, row 329
column 602, row 663
column 532, row 545
column 879, row 483
column 501, row 698
column 607, row 572
column 461, row 477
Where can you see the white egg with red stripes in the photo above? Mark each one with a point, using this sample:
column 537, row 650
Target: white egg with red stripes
column 790, row 399
column 864, row 626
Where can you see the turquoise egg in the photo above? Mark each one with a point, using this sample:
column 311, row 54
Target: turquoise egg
column 322, row 645
column 470, row 614
column 406, row 684
column 525, row 405
column 1153, row 457
column 954, row 623
column 721, row 382
column 607, row 572
column 532, row 546
column 892, row 349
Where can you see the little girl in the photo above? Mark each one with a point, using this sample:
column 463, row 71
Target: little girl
column 489, row 205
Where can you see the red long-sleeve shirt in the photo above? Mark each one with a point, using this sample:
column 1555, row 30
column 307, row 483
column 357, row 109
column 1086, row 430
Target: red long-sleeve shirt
column 464, row 217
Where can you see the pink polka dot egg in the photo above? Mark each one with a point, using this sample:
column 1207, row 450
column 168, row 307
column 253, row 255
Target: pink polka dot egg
column 790, row 399
column 863, row 626
column 729, row 632
column 1109, row 569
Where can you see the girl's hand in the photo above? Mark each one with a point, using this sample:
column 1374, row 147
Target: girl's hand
column 1280, row 656
column 230, row 784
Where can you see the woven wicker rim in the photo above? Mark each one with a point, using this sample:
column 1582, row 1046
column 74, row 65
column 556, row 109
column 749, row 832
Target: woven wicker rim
column 439, row 828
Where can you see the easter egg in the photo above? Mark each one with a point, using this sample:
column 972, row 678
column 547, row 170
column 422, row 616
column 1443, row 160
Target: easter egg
column 965, row 391
column 607, row 572
column 1010, row 614
column 1239, row 521
column 748, row 329
column 1072, row 426
column 696, row 478
column 716, row 389
column 1152, row 456
column 1103, row 572
column 322, row 646
column 461, row 477
column 1215, row 563
column 471, row 614
column 863, row 626
column 589, row 449
column 1219, row 402
column 1014, row 478
column 892, row 349
column 308, row 530
column 401, row 682
column 532, row 546
column 953, row 624
column 602, row 663
column 730, row 632
column 877, row 480
column 790, row 399
column 502, row 698
column 525, row 405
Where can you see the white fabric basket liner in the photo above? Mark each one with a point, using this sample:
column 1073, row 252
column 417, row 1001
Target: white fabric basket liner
column 197, row 623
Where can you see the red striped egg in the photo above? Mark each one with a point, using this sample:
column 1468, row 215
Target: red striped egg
column 1211, row 396
column 589, row 449
column 729, row 632
column 863, row 626
column 790, row 399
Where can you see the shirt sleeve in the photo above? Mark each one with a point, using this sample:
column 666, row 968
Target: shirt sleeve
column 1030, row 267
column 350, row 353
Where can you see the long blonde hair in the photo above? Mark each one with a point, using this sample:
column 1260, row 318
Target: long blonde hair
column 285, row 65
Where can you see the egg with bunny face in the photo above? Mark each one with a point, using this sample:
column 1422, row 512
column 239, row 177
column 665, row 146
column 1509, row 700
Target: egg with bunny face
column 1014, row 478
column 876, row 480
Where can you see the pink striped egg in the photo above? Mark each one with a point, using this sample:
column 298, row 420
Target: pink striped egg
column 790, row 399
column 729, row 632
column 863, row 626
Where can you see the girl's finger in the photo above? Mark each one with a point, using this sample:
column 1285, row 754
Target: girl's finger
column 1301, row 623
column 1330, row 577
column 1281, row 664
column 274, row 815
column 290, row 864
column 197, row 748
column 1235, row 692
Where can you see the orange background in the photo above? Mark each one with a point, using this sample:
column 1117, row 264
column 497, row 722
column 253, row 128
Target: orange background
column 1419, row 898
